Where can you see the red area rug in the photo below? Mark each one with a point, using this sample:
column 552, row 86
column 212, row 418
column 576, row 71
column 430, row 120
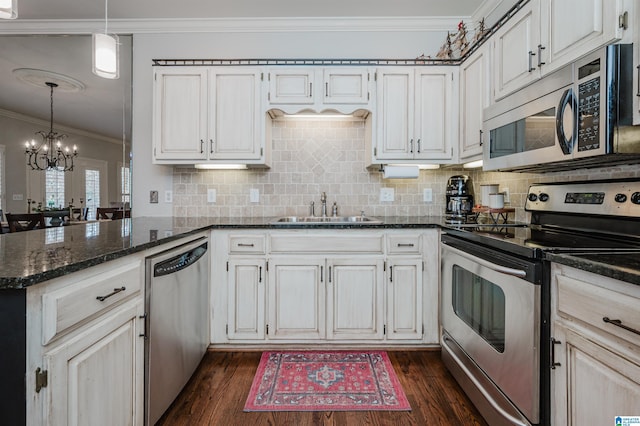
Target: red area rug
column 326, row 381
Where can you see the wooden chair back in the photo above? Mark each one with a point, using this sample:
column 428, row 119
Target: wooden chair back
column 80, row 213
column 105, row 212
column 119, row 214
column 25, row 221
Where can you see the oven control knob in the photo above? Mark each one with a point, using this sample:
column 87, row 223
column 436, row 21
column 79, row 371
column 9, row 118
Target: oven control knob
column 532, row 197
column 635, row 198
column 543, row 197
column 620, row 198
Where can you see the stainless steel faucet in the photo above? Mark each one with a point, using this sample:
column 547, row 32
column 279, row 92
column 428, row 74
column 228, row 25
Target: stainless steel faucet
column 323, row 200
column 312, row 209
column 334, row 209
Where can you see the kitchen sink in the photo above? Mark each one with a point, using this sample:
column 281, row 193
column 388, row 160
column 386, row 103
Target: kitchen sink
column 328, row 220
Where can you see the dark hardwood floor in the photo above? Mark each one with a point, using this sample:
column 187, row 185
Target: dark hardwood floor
column 217, row 392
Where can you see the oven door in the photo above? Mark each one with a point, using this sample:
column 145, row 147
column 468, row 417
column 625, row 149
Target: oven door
column 492, row 313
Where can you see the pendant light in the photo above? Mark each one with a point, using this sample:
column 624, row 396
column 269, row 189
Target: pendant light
column 106, row 51
column 8, row 9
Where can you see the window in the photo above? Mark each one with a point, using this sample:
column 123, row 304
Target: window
column 92, row 191
column 125, row 184
column 2, row 185
column 54, row 188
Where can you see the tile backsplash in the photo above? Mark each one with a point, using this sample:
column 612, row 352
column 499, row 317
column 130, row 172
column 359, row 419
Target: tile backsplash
column 321, row 155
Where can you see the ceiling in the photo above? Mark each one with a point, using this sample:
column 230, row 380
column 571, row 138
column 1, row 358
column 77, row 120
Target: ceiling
column 171, row 9
column 71, row 55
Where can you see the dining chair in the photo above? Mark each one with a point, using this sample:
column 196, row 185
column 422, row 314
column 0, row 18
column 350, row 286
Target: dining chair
column 119, row 214
column 80, row 213
column 25, row 221
column 105, row 212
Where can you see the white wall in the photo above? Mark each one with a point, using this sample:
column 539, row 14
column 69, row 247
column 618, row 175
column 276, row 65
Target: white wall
column 383, row 44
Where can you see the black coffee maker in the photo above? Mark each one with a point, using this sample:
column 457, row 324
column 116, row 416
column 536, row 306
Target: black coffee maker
column 459, row 199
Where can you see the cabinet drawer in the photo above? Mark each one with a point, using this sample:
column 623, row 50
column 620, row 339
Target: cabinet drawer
column 591, row 304
column 87, row 297
column 247, row 244
column 403, row 244
column 321, row 243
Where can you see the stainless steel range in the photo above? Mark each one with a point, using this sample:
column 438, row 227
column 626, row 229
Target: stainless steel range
column 495, row 291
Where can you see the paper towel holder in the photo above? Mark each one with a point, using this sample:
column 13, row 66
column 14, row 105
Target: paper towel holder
column 399, row 171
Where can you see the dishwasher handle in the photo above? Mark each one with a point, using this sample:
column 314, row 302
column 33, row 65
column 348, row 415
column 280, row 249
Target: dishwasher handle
column 180, row 261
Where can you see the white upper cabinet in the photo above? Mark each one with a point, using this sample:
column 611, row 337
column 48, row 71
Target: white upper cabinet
column 317, row 89
column 475, row 95
column 416, row 114
column 547, row 34
column 208, row 114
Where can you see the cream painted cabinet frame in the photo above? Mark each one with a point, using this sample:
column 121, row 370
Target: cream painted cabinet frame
column 404, row 301
column 475, row 95
column 97, row 377
column 596, row 374
column 547, row 34
column 417, row 113
column 319, row 89
column 247, row 289
column 208, row 114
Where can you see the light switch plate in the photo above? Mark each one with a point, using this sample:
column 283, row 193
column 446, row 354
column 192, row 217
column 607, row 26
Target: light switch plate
column 387, row 194
column 427, row 195
column 168, row 196
column 212, row 194
column 254, row 195
column 507, row 195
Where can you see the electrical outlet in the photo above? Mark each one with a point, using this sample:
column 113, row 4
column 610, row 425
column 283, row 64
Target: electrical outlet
column 211, row 195
column 427, row 195
column 254, row 195
column 168, row 196
column 386, row 194
column 153, row 197
column 507, row 195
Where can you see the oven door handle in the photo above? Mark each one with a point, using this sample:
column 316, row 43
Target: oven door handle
column 498, row 268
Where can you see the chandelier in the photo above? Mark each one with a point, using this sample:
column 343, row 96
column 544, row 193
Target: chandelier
column 50, row 154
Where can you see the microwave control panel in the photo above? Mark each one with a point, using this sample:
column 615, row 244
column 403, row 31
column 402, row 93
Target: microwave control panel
column 589, row 115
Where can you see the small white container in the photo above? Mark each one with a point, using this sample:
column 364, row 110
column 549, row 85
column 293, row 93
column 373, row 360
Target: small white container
column 485, row 190
column 496, row 201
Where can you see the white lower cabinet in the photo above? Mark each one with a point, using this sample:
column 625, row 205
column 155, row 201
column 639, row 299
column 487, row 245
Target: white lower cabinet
column 296, row 298
column 97, row 377
column 246, row 318
column 596, row 374
column 404, row 304
column 355, row 298
column 312, row 286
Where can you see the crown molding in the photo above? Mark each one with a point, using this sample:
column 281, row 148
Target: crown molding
column 233, row 25
column 60, row 128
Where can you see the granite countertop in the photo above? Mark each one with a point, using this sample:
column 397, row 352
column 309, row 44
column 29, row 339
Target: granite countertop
column 621, row 266
column 32, row 257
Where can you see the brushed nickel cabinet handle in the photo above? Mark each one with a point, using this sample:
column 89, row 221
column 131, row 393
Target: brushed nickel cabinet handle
column 245, row 245
column 114, row 292
column 531, row 55
column 540, row 49
column 201, row 146
column 418, row 142
column 480, row 137
column 411, row 146
column 554, row 364
column 405, row 244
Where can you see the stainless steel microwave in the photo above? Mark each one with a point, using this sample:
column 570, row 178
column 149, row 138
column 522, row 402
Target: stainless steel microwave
column 578, row 116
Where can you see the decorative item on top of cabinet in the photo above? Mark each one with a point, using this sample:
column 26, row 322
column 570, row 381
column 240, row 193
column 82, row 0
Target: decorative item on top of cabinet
column 544, row 35
column 318, row 89
column 209, row 115
column 590, row 346
column 417, row 115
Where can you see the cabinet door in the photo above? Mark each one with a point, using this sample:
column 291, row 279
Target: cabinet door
column 577, row 27
column 291, row 86
column 435, row 111
column 515, row 49
column 395, row 106
column 297, row 298
column 180, row 113
column 474, row 97
column 592, row 385
column 404, row 299
column 96, row 378
column 355, row 299
column 246, row 315
column 235, row 120
column 346, row 86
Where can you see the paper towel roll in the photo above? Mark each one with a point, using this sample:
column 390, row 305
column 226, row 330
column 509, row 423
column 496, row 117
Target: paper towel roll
column 401, row 172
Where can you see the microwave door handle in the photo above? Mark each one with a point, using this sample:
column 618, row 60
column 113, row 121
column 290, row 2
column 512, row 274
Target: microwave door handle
column 567, row 99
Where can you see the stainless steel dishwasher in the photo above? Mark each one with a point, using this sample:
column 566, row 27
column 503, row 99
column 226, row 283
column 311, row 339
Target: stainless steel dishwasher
column 177, row 301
